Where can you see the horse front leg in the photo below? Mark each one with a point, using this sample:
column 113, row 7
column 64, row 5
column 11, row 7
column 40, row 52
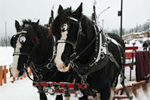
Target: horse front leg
column 105, row 93
column 84, row 97
column 59, row 97
column 43, row 96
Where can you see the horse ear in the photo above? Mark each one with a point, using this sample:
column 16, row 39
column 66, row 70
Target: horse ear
column 38, row 22
column 78, row 11
column 35, row 25
column 60, row 9
column 17, row 25
column 51, row 19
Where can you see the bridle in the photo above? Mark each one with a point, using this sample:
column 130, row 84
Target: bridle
column 101, row 50
column 64, row 28
column 97, row 38
column 31, row 64
column 102, row 54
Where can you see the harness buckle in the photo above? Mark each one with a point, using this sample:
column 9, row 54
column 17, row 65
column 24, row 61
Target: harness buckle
column 49, row 66
column 73, row 56
column 83, row 79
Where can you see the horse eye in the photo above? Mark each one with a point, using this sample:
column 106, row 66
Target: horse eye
column 22, row 39
column 64, row 27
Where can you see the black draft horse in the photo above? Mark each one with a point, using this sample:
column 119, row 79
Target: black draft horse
column 34, row 46
column 95, row 57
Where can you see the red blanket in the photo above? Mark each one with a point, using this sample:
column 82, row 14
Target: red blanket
column 142, row 65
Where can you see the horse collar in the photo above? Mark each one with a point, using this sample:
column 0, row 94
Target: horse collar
column 101, row 45
column 54, row 50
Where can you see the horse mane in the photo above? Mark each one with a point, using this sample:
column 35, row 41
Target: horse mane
column 64, row 15
column 40, row 31
column 24, row 21
column 87, row 27
column 41, row 37
column 59, row 20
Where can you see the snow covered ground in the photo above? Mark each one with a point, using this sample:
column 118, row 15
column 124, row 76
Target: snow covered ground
column 20, row 89
column 23, row 89
column 6, row 57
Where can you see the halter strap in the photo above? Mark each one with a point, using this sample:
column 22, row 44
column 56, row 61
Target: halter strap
column 23, row 31
column 19, row 53
column 69, row 42
column 74, row 19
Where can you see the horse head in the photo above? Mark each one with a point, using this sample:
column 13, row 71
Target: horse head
column 23, row 43
column 71, row 30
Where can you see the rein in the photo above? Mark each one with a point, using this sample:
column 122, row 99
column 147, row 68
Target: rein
column 48, row 65
column 35, row 72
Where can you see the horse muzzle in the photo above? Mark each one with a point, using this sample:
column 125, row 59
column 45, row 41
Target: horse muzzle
column 16, row 73
column 62, row 67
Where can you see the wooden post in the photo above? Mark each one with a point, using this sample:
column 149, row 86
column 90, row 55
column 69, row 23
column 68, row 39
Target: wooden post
column 25, row 76
column 21, row 78
column 29, row 70
column 1, row 75
column 5, row 72
column 14, row 79
column 10, row 73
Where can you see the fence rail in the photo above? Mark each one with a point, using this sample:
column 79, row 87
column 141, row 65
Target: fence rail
column 4, row 71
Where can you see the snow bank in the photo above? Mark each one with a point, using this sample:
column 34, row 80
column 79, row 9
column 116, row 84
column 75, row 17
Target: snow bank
column 6, row 57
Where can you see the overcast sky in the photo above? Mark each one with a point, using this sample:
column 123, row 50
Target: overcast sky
column 135, row 12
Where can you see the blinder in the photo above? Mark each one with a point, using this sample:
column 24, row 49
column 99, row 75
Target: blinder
column 12, row 41
column 22, row 39
column 65, row 27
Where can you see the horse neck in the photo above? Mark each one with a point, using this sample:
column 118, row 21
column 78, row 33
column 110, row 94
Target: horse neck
column 44, row 50
column 87, row 56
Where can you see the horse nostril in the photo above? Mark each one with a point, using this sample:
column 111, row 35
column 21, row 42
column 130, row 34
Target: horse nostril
column 66, row 64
